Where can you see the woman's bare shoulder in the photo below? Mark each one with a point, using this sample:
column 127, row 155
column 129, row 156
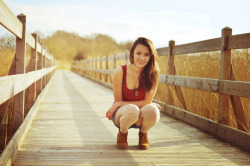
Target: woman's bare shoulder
column 118, row 70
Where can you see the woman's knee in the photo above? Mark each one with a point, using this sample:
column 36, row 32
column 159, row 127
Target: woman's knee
column 132, row 111
column 150, row 112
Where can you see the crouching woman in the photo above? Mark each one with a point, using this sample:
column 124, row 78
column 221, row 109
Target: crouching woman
column 134, row 86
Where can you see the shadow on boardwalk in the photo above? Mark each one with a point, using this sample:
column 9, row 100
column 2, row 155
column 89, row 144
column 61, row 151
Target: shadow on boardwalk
column 71, row 129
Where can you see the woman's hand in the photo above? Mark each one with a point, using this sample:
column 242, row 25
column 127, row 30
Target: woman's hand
column 157, row 105
column 111, row 111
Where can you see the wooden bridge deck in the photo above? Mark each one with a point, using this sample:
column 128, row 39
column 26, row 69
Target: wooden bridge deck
column 70, row 128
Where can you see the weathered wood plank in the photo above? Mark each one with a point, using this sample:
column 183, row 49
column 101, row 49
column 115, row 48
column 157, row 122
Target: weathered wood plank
column 12, row 85
column 236, row 88
column 10, row 21
column 163, row 51
column 206, row 84
column 241, row 41
column 30, row 40
column 201, row 46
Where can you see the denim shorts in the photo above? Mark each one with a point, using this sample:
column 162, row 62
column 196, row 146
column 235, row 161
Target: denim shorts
column 132, row 126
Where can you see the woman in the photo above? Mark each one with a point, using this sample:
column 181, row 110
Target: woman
column 134, row 86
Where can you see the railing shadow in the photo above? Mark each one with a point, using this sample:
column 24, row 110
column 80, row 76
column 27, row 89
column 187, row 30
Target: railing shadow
column 194, row 136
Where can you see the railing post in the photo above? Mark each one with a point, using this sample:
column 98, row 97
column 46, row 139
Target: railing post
column 126, row 56
column 44, row 66
column 114, row 62
column 114, row 66
column 39, row 67
column 96, row 60
column 225, row 67
column 33, row 67
column 20, row 69
column 107, row 67
column 101, row 68
column 170, row 70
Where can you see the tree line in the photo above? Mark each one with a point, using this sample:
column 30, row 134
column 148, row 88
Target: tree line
column 67, row 46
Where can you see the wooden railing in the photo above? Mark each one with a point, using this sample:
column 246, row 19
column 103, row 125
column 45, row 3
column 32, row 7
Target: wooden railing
column 40, row 69
column 229, row 90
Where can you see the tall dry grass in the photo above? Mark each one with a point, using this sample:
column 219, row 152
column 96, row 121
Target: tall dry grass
column 7, row 56
column 207, row 65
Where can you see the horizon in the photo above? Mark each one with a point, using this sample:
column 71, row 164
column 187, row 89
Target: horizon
column 161, row 21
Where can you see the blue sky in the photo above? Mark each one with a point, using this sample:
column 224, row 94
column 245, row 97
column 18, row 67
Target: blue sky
column 184, row 21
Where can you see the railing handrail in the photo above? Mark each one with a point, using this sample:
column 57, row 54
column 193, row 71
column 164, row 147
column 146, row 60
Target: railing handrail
column 13, row 84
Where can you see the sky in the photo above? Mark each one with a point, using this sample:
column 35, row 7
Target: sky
column 184, row 21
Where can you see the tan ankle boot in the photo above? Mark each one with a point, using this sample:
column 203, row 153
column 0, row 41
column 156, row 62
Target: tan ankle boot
column 122, row 140
column 143, row 141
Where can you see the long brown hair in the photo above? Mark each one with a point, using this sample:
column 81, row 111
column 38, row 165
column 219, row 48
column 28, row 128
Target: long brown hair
column 150, row 72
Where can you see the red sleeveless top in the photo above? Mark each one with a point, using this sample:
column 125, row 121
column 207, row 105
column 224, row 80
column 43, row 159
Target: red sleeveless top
column 128, row 94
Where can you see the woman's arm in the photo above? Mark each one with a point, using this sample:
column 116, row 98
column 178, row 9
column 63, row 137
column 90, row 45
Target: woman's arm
column 117, row 90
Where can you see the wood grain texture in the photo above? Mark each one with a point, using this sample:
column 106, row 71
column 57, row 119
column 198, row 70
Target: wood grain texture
column 241, row 41
column 201, row 46
column 10, row 21
column 19, row 99
column 225, row 70
column 70, row 128
column 12, row 85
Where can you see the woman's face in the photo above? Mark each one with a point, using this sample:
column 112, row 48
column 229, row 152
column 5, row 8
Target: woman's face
column 141, row 55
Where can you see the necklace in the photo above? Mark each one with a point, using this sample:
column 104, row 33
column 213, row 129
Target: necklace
column 136, row 91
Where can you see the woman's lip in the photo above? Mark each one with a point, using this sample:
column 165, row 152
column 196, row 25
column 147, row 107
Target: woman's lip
column 141, row 63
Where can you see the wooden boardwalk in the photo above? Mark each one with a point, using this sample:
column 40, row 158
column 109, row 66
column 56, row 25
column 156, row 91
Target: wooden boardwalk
column 70, row 128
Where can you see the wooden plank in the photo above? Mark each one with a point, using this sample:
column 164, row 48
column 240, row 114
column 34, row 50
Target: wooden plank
column 225, row 75
column 14, row 84
column 206, row 84
column 236, row 88
column 30, row 40
column 241, row 41
column 10, row 21
column 39, row 48
column 201, row 46
column 163, row 51
column 14, row 144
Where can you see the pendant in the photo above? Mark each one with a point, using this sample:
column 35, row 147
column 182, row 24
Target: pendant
column 136, row 93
